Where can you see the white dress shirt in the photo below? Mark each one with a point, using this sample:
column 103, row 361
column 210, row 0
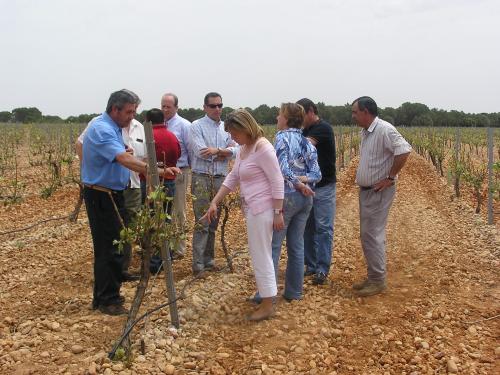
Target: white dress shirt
column 379, row 144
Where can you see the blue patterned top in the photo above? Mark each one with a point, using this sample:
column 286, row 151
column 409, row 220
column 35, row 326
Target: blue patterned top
column 297, row 157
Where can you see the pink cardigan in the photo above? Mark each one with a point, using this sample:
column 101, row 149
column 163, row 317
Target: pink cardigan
column 259, row 177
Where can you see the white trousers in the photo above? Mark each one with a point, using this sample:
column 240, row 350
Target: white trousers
column 260, row 236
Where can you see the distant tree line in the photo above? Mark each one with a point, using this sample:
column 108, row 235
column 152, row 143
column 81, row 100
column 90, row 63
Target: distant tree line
column 408, row 114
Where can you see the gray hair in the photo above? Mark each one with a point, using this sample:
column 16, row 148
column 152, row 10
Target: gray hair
column 120, row 98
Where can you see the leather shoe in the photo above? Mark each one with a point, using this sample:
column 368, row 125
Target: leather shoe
column 127, row 276
column 309, row 273
column 319, row 279
column 114, row 310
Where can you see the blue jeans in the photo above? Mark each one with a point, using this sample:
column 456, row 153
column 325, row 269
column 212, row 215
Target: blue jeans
column 318, row 235
column 296, row 208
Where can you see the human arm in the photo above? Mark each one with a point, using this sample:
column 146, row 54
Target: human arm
column 79, row 149
column 271, row 168
column 313, row 172
column 136, row 165
column 197, row 142
column 283, row 153
column 401, row 149
column 211, row 213
column 397, row 165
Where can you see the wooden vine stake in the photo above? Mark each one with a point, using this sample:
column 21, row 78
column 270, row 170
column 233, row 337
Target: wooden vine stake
column 154, row 179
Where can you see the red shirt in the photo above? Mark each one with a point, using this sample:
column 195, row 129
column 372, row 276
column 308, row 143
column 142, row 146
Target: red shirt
column 168, row 149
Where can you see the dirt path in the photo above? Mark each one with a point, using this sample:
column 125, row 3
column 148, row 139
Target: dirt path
column 443, row 272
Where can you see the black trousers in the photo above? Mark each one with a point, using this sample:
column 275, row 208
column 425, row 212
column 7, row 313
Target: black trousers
column 105, row 228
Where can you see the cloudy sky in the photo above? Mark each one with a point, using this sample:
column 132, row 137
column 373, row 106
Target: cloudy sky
column 65, row 57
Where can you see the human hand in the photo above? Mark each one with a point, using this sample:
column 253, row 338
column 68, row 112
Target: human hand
column 278, row 222
column 208, row 151
column 171, row 171
column 305, row 190
column 211, row 213
column 129, row 150
column 383, row 184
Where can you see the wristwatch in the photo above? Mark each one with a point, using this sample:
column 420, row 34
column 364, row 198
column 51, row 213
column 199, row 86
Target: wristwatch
column 390, row 178
column 278, row 211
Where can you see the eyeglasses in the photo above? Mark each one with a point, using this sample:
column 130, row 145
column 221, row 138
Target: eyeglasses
column 213, row 106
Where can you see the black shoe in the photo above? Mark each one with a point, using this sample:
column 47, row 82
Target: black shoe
column 114, row 310
column 127, row 276
column 309, row 273
column 319, row 279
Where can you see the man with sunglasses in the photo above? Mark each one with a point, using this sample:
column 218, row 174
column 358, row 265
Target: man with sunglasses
column 211, row 149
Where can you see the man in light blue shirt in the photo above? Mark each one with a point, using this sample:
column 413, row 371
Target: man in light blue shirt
column 211, row 149
column 105, row 175
column 180, row 127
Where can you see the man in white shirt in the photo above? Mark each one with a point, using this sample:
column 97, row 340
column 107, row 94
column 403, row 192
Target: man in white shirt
column 180, row 127
column 135, row 140
column 383, row 152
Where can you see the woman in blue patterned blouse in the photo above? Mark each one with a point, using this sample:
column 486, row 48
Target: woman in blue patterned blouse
column 298, row 162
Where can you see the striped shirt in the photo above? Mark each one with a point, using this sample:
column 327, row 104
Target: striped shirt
column 379, row 144
column 205, row 132
column 180, row 127
column 297, row 157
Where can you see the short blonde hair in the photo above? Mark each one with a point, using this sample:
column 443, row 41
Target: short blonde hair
column 241, row 120
column 294, row 114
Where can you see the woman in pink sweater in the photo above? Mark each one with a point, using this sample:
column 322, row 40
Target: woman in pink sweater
column 258, row 174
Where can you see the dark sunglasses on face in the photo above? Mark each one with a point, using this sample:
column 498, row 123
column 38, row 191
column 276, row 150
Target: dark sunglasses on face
column 213, row 106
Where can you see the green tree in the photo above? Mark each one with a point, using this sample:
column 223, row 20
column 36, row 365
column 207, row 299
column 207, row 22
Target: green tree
column 422, row 120
column 408, row 111
column 5, row 116
column 52, row 119
column 25, row 115
column 191, row 114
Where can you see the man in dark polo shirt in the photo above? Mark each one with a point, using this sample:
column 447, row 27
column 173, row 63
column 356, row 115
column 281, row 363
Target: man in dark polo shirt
column 105, row 175
column 318, row 234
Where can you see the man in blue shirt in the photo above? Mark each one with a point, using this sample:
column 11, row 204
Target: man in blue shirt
column 105, row 174
column 211, row 149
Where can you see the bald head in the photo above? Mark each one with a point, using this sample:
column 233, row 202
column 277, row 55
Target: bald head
column 169, row 105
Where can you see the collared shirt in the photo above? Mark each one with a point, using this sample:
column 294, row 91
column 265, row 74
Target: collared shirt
column 102, row 143
column 180, row 127
column 135, row 139
column 297, row 157
column 379, row 144
column 166, row 146
column 205, row 132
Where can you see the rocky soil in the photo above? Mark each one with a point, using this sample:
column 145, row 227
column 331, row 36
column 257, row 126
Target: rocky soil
column 443, row 263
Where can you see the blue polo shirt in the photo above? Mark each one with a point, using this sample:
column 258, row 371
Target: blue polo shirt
column 102, row 143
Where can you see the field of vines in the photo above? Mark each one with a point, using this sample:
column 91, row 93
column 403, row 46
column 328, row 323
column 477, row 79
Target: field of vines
column 40, row 158
column 439, row 314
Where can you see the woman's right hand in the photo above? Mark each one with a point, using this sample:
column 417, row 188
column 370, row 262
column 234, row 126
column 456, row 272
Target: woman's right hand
column 211, row 213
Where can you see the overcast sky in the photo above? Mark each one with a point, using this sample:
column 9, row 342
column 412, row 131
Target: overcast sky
column 65, row 57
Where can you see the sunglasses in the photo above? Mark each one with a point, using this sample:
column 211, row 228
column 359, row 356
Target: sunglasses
column 213, row 106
